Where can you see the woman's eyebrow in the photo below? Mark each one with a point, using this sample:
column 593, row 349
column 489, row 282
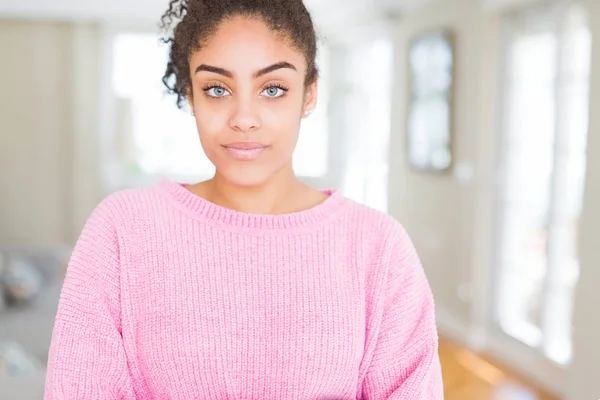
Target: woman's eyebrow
column 216, row 70
column 274, row 67
column 259, row 73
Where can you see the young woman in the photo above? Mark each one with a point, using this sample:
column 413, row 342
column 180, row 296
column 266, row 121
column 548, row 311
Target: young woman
column 250, row 285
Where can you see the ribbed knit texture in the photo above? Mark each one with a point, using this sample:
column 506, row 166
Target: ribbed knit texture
column 169, row 296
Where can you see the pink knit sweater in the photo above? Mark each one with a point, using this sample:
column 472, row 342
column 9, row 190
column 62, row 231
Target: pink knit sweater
column 169, row 296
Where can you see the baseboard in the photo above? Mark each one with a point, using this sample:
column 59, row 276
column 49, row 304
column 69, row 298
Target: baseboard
column 452, row 327
column 528, row 363
column 518, row 357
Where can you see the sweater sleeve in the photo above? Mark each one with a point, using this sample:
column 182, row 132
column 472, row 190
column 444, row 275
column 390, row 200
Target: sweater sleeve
column 405, row 364
column 87, row 359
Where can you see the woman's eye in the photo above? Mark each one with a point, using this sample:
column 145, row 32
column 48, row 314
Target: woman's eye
column 274, row 91
column 217, row 91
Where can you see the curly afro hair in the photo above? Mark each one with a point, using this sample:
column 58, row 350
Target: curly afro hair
column 196, row 20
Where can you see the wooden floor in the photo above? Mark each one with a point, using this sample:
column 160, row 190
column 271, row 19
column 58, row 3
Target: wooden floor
column 468, row 376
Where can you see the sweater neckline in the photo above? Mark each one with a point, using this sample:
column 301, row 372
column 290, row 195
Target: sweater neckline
column 199, row 206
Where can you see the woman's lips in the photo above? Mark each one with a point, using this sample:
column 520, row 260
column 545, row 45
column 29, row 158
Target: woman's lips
column 245, row 151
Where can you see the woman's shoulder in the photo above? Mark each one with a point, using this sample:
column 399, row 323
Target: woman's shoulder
column 384, row 242
column 378, row 233
column 123, row 205
column 374, row 221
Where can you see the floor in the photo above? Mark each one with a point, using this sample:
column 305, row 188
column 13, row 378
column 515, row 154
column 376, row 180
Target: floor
column 468, row 376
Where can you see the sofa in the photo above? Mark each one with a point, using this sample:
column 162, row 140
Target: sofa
column 26, row 327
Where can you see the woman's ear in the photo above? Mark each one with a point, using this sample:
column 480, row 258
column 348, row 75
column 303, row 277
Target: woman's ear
column 310, row 98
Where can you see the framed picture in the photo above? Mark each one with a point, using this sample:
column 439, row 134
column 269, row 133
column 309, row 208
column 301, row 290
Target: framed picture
column 429, row 130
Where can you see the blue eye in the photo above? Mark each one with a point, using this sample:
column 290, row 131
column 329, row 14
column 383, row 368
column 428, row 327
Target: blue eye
column 274, row 91
column 216, row 91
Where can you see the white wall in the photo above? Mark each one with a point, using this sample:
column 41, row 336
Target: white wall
column 584, row 379
column 34, row 106
column 437, row 210
column 451, row 220
column 47, row 114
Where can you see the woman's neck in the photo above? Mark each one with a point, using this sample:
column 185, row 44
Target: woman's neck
column 282, row 194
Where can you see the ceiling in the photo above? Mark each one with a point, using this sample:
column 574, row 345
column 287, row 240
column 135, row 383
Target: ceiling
column 324, row 11
column 327, row 14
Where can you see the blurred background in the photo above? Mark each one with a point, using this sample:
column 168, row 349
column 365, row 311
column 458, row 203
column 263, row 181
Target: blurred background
column 470, row 121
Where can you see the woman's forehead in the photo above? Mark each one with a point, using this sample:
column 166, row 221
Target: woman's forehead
column 245, row 46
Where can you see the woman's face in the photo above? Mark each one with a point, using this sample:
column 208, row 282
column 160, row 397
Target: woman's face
column 248, row 97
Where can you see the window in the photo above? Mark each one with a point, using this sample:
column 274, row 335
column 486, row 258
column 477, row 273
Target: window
column 154, row 137
column 543, row 165
column 367, row 114
column 310, row 157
